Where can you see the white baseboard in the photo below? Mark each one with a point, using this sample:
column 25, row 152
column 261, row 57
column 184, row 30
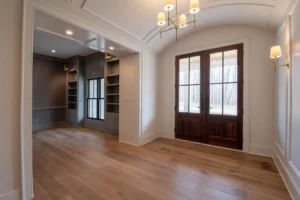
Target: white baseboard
column 288, row 174
column 14, row 195
column 46, row 126
column 148, row 137
column 261, row 150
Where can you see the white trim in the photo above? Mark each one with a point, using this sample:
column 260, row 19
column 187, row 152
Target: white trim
column 247, row 89
column 286, row 175
column 149, row 137
column 13, row 195
column 280, row 149
column 261, row 150
column 111, row 23
column 296, row 170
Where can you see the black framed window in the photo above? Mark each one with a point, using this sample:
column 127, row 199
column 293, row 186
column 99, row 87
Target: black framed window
column 95, row 100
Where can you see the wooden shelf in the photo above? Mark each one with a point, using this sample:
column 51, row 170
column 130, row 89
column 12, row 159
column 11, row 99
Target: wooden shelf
column 72, row 88
column 116, row 104
column 112, row 75
column 115, row 94
column 72, row 102
column 110, row 85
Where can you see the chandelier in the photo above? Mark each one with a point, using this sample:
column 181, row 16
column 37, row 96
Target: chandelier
column 181, row 21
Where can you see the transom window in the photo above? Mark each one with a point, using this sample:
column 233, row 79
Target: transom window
column 95, row 100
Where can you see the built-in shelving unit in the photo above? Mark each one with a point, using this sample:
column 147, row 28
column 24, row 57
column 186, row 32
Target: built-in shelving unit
column 112, row 77
column 72, row 87
column 75, row 97
column 112, row 90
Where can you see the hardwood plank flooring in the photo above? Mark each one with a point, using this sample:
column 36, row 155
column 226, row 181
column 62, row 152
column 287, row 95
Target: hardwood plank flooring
column 83, row 164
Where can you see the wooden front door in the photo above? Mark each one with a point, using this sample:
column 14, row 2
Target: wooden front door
column 209, row 97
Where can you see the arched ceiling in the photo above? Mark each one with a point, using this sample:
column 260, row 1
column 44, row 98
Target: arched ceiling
column 138, row 17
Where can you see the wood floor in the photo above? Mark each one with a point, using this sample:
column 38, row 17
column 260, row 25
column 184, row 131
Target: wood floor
column 81, row 164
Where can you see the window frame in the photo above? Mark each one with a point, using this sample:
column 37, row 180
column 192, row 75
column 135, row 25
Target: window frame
column 98, row 98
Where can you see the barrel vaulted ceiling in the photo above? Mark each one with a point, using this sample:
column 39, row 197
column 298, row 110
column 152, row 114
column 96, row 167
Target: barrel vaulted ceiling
column 138, row 17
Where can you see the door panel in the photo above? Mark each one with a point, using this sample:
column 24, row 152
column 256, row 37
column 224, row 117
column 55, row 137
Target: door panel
column 209, row 96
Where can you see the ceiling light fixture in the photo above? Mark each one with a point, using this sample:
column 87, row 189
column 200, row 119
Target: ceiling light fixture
column 111, row 48
column 69, row 32
column 181, row 21
column 53, row 51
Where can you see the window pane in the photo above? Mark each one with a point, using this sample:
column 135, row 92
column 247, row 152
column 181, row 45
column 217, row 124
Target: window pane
column 95, row 89
column 183, row 98
column 90, row 108
column 94, row 108
column 230, row 66
column 195, row 70
column 101, row 108
column 230, row 99
column 216, row 64
column 102, row 87
column 215, row 106
column 183, row 71
column 195, row 99
column 91, row 89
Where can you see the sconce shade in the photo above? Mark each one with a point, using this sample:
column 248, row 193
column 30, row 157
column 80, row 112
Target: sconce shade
column 161, row 19
column 169, row 5
column 182, row 21
column 194, row 6
column 276, row 52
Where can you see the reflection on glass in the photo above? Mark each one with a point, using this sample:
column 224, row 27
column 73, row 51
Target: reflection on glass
column 95, row 88
column 195, row 70
column 183, row 98
column 195, row 99
column 230, row 66
column 90, row 108
column 216, row 63
column 184, row 71
column 215, row 106
column 230, row 99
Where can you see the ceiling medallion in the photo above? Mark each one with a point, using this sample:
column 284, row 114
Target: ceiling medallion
column 180, row 21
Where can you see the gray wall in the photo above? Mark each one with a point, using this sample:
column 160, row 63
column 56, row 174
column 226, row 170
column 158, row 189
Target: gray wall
column 49, row 92
column 94, row 69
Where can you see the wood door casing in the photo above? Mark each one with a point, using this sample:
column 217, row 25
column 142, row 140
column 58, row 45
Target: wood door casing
column 215, row 129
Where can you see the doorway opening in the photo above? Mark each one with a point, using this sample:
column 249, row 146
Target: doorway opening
column 209, row 97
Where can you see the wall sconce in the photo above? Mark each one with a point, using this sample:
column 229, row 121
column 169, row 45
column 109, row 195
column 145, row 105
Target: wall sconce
column 277, row 53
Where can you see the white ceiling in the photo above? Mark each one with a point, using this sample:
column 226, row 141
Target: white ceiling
column 49, row 34
column 139, row 16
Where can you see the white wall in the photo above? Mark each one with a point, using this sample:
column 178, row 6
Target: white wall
column 10, row 90
column 149, row 82
column 129, row 110
column 258, row 80
column 287, row 118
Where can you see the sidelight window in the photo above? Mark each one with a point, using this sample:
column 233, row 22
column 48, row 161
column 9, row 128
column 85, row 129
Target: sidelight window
column 95, row 100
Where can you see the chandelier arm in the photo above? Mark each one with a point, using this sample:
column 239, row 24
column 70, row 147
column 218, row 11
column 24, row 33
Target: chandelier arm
column 172, row 22
column 167, row 30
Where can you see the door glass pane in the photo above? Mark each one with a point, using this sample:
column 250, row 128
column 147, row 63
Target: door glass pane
column 195, row 99
column 230, row 99
column 195, row 70
column 101, row 108
column 230, row 66
column 183, row 98
column 216, row 64
column 184, row 71
column 102, row 87
column 215, row 106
